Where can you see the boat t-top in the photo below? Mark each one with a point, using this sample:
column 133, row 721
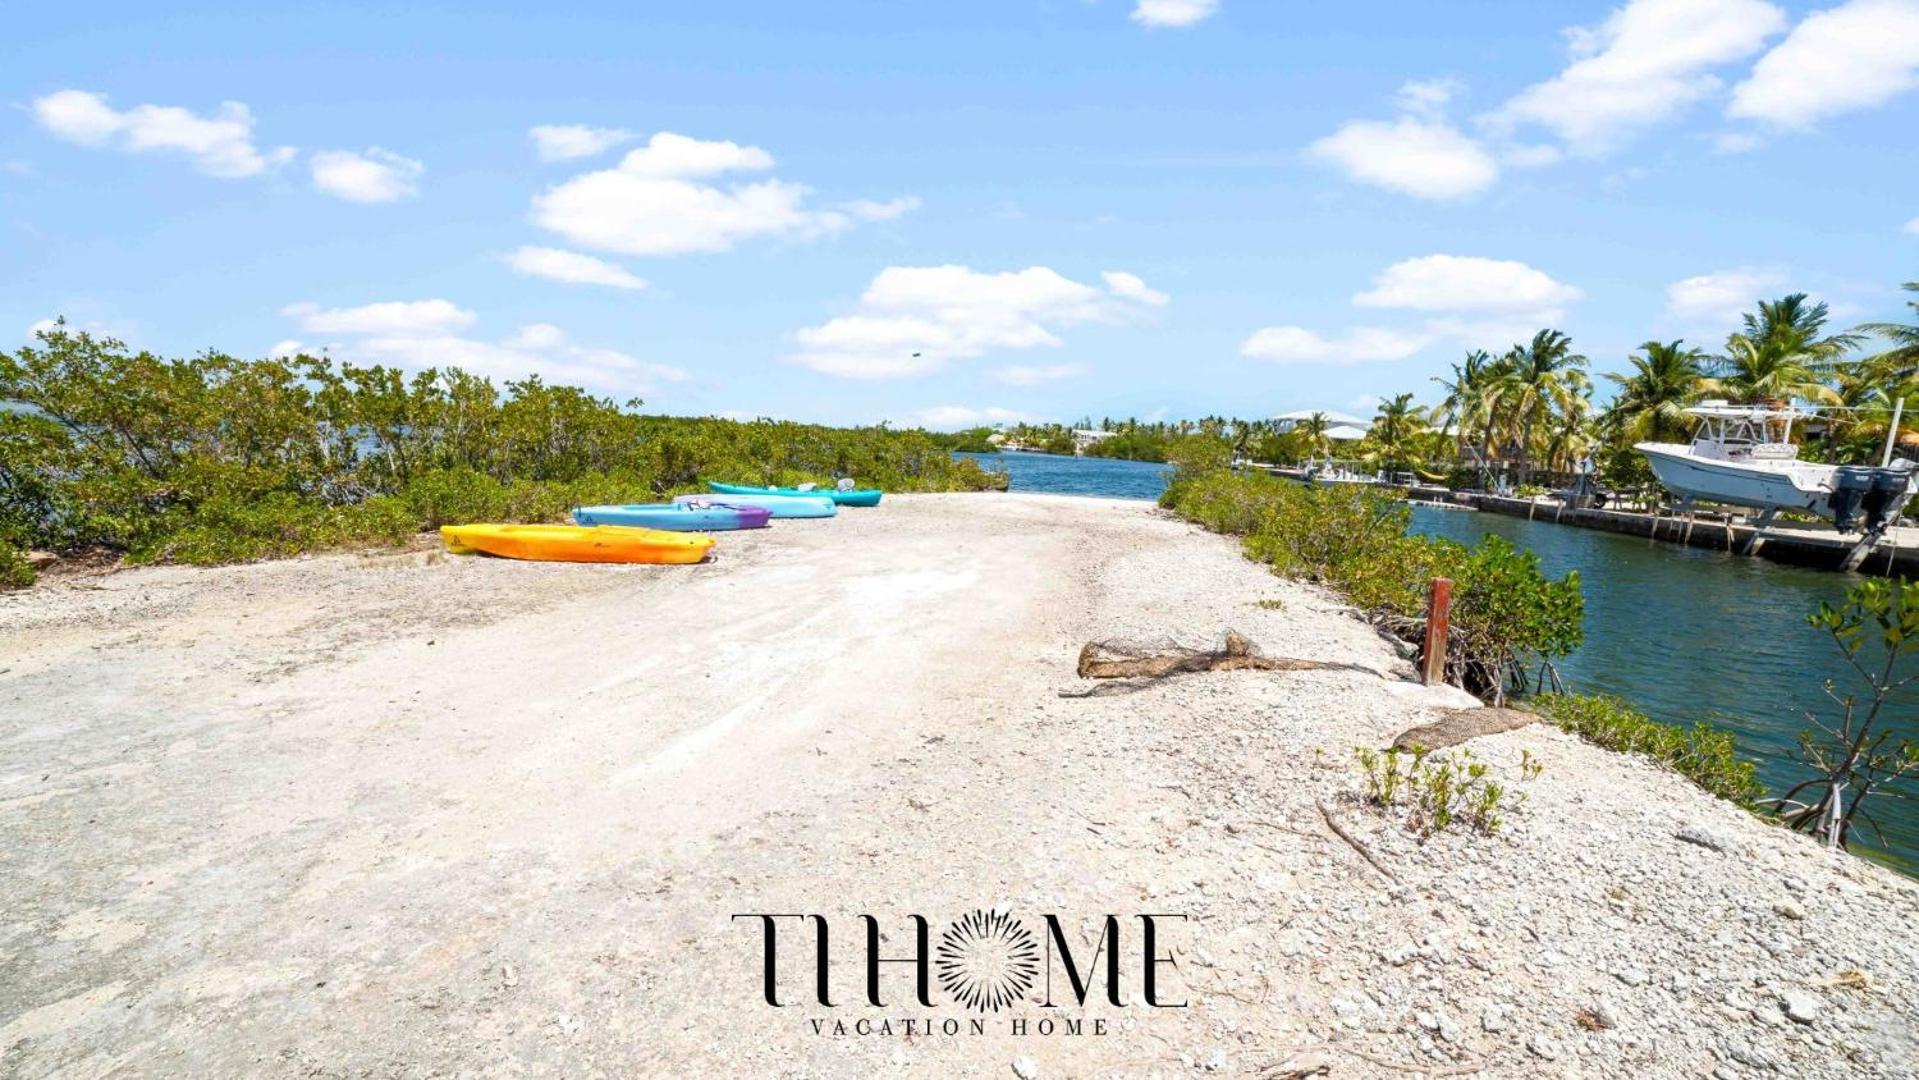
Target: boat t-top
column 1743, row 455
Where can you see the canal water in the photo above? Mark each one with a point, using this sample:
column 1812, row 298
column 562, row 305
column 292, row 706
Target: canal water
column 1682, row 633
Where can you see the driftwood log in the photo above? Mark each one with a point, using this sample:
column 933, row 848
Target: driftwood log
column 1106, row 660
column 1455, row 726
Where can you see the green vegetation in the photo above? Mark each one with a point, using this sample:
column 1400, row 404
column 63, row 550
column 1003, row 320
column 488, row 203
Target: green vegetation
column 1703, row 754
column 1856, row 756
column 1438, row 791
column 217, row 459
column 15, row 570
column 1508, row 617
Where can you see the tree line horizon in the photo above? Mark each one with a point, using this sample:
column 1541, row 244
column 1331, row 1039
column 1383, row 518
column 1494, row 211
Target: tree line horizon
column 1530, row 413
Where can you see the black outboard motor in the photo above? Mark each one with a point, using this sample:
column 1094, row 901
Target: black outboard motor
column 1887, row 486
column 1850, row 484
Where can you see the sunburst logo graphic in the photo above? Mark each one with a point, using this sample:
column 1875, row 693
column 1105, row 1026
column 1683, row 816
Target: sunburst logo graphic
column 987, row 961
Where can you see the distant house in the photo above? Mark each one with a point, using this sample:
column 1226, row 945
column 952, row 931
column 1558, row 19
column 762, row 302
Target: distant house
column 1345, row 426
column 1083, row 438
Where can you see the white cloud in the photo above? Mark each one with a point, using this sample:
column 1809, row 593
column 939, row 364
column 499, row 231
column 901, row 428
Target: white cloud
column 1465, row 283
column 1173, row 12
column 1426, row 158
column 566, row 142
column 375, row 176
column 953, row 417
column 1643, row 65
column 1298, row 345
column 916, row 320
column 1130, row 287
column 572, row 268
column 1036, row 374
column 1854, row 56
column 220, row 145
column 670, row 155
column 1912, row 227
column 871, row 210
column 656, row 202
column 536, row 336
column 1428, row 97
column 1474, row 302
column 392, row 317
column 423, row 334
column 1715, row 301
column 286, row 349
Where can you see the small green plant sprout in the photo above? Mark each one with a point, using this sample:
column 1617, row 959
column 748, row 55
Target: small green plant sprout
column 1272, row 604
column 1529, row 766
column 1483, row 807
column 1437, row 791
column 1856, row 756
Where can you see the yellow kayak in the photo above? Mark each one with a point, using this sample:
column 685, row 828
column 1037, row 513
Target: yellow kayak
column 575, row 543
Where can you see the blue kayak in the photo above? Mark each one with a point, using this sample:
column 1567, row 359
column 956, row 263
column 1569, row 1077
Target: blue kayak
column 675, row 517
column 782, row 506
column 849, row 497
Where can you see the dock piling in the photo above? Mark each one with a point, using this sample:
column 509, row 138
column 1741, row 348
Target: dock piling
column 1439, row 620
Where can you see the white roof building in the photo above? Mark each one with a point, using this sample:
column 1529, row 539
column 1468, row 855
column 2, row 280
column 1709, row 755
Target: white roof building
column 1084, row 437
column 1345, row 426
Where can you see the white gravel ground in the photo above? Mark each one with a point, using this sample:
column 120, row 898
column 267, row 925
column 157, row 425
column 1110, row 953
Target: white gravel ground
column 406, row 815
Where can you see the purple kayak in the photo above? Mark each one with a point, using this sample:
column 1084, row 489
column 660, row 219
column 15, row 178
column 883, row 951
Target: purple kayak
column 782, row 506
column 676, row 517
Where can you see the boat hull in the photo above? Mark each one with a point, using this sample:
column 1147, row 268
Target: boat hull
column 1690, row 476
column 854, row 497
column 781, row 506
column 675, row 517
column 573, row 543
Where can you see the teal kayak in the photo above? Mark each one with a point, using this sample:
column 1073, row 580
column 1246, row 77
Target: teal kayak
column 855, row 497
column 782, row 506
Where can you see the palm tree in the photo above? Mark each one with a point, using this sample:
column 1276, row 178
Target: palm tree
column 1652, row 401
column 1757, row 369
column 1571, row 436
column 1544, row 381
column 1465, row 392
column 1782, row 353
column 1313, row 436
column 1469, row 408
column 1900, row 363
column 1398, row 423
column 1790, row 319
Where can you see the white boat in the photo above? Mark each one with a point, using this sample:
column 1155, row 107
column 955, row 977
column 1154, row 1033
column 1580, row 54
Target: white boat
column 1743, row 455
column 1331, row 474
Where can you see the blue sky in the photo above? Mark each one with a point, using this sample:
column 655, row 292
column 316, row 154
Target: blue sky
column 942, row 213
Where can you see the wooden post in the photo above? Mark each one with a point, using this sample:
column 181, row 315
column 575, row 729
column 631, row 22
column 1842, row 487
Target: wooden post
column 1892, row 434
column 1439, row 619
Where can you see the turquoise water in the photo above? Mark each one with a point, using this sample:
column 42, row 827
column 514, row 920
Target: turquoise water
column 1683, row 634
column 1056, row 475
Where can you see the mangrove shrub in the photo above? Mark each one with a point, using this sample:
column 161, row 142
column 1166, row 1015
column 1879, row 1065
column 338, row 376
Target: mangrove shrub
column 215, row 458
column 1509, row 618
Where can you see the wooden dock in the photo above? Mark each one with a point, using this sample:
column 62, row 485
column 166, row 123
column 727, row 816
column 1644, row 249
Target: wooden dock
column 1897, row 552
